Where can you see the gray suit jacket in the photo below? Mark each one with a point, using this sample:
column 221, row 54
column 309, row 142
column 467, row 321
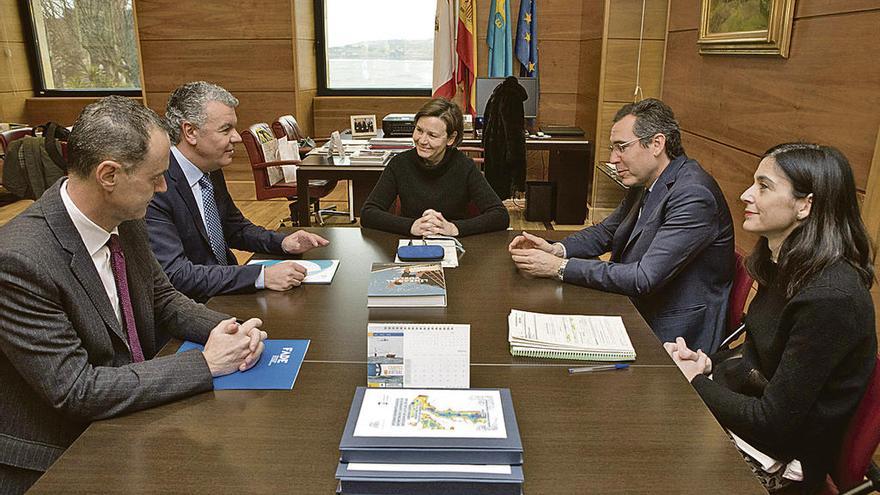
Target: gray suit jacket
column 676, row 262
column 64, row 357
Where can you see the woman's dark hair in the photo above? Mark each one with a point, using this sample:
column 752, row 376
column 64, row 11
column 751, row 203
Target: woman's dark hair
column 446, row 111
column 831, row 231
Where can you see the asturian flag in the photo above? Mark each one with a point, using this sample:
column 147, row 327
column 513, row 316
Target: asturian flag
column 445, row 59
column 466, row 50
column 498, row 39
column 527, row 39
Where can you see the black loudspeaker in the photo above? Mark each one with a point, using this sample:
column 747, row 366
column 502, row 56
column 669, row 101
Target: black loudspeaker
column 540, row 201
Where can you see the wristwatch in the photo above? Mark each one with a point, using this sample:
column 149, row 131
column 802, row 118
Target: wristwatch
column 560, row 273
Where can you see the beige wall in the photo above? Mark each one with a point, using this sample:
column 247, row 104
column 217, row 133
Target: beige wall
column 15, row 76
column 732, row 108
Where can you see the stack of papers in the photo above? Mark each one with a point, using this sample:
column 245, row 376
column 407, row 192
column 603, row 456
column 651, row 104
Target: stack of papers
column 579, row 337
column 317, row 271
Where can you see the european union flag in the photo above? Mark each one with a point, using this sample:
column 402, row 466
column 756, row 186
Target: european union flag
column 498, row 39
column 527, row 39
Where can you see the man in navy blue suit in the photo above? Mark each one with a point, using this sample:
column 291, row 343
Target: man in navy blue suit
column 194, row 223
column 671, row 238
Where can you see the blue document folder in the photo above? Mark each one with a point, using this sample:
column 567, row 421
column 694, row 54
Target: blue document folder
column 276, row 370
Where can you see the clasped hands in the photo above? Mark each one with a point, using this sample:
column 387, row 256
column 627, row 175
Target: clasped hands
column 432, row 223
column 689, row 362
column 535, row 256
column 234, row 347
column 285, row 276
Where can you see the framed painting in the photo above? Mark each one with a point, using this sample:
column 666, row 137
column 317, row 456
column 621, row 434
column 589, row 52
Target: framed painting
column 746, row 27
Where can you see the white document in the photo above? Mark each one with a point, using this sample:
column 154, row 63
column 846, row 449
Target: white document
column 432, row 468
column 435, row 355
column 574, row 332
column 317, row 271
column 450, row 255
column 408, row 412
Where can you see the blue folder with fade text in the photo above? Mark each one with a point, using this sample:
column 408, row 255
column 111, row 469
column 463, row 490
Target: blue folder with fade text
column 276, row 370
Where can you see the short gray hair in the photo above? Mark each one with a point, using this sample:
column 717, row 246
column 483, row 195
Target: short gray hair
column 113, row 128
column 188, row 102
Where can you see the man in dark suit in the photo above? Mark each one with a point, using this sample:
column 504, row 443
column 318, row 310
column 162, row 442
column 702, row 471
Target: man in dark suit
column 671, row 238
column 84, row 302
column 194, row 223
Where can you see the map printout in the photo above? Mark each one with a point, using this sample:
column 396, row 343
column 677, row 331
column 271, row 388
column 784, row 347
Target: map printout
column 431, row 413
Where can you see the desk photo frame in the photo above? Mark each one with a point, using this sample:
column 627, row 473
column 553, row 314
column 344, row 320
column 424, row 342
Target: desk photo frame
column 363, row 125
column 746, row 27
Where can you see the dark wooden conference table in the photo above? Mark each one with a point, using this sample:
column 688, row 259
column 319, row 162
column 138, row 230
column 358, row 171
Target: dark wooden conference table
column 641, row 430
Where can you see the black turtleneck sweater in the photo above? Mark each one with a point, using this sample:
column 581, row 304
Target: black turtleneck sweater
column 816, row 351
column 450, row 187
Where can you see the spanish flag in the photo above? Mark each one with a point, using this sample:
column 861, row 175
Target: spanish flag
column 466, row 49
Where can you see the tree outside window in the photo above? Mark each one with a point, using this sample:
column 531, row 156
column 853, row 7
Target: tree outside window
column 85, row 45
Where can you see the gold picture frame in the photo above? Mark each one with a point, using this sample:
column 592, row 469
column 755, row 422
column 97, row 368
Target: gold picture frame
column 746, row 27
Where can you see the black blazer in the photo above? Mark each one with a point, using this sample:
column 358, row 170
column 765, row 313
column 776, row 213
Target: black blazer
column 677, row 264
column 180, row 241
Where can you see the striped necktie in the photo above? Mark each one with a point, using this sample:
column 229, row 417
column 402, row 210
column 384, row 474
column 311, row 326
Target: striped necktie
column 212, row 220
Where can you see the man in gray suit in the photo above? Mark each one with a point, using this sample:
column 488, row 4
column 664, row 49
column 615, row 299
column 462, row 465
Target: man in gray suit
column 84, row 302
column 671, row 238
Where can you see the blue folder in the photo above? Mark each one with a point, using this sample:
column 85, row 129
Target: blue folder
column 276, row 370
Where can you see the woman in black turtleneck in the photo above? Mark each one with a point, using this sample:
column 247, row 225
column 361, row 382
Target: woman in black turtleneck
column 436, row 183
column 810, row 344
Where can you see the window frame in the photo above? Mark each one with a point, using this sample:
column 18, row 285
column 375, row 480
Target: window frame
column 32, row 45
column 321, row 69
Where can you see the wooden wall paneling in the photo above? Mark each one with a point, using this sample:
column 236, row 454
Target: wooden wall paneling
column 871, row 205
column 620, row 75
column 63, row 110
column 12, row 107
column 733, row 170
column 306, row 65
column 10, row 22
column 304, row 19
column 809, row 8
column 626, row 16
column 559, row 108
column 684, row 14
column 557, row 20
column 558, row 67
column 305, row 114
column 603, row 136
column 333, row 112
column 252, row 65
column 219, row 20
column 592, row 19
column 15, row 74
column 826, row 91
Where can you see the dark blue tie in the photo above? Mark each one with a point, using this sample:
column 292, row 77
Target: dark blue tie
column 212, row 220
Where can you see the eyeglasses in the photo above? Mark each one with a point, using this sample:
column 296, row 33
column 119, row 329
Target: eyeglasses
column 620, row 148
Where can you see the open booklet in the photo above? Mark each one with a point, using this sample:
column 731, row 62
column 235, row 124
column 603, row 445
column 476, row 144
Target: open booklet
column 579, row 337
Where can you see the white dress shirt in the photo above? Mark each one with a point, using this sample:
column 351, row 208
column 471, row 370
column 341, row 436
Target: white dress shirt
column 95, row 239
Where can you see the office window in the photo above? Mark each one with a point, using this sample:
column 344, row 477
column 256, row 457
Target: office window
column 375, row 46
column 85, row 46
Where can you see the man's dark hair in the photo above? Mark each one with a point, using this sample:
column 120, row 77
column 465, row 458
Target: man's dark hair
column 113, row 128
column 654, row 117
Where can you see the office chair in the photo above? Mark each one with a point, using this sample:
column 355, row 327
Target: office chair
column 475, row 153
column 739, row 293
column 7, row 137
column 860, row 441
column 287, row 127
column 265, row 190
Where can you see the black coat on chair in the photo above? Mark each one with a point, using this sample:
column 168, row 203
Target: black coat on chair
column 504, row 141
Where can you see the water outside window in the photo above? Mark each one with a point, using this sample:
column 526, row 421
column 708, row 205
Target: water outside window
column 379, row 44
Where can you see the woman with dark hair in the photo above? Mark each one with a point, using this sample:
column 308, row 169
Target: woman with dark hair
column 810, row 342
column 436, row 183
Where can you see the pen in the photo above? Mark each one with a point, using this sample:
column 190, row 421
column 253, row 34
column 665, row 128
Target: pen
column 601, row 367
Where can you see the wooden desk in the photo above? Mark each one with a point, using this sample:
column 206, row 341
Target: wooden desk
column 569, row 167
column 642, row 430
